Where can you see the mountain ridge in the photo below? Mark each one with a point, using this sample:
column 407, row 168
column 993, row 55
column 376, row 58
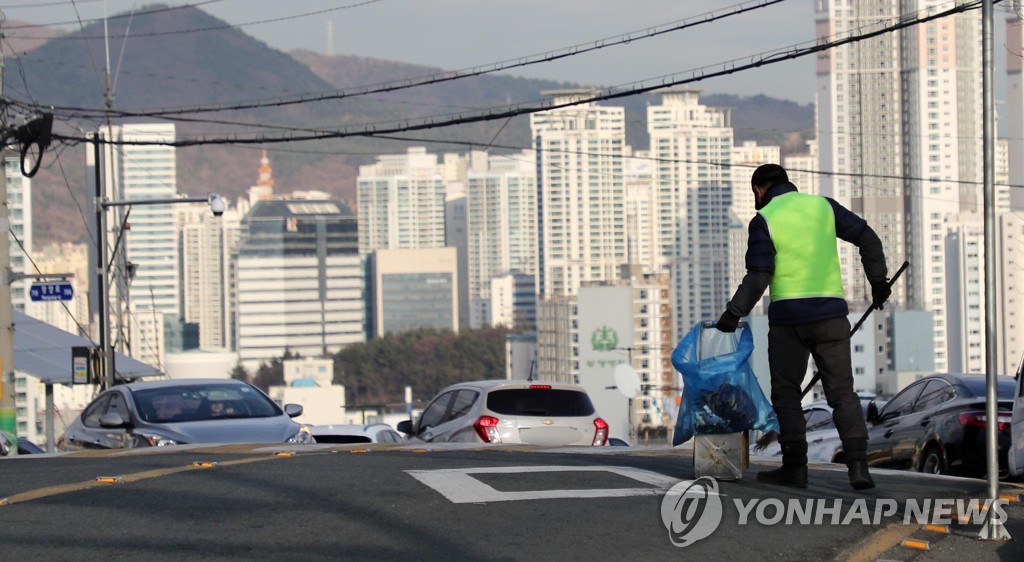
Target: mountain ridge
column 161, row 69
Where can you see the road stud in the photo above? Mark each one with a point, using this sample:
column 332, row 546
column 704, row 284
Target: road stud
column 944, row 529
column 916, row 544
column 110, row 479
column 205, row 464
column 285, row 454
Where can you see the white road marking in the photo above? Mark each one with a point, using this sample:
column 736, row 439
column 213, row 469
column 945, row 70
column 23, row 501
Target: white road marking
column 459, row 486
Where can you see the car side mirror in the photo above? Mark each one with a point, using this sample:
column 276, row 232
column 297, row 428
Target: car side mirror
column 293, row 410
column 405, row 427
column 872, row 413
column 112, row 420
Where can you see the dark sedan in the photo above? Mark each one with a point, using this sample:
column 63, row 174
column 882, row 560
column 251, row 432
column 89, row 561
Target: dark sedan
column 175, row 412
column 937, row 425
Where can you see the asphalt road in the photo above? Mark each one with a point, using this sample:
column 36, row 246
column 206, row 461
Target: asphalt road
column 409, row 503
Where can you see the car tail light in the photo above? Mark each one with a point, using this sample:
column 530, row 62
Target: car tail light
column 978, row 419
column 487, row 428
column 540, row 387
column 600, row 432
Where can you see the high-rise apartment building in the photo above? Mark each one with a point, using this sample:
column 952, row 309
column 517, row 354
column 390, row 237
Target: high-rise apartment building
column 580, row 193
column 642, row 236
column 745, row 159
column 693, row 146
column 19, row 213
column 139, row 173
column 208, row 245
column 401, row 202
column 965, row 314
column 899, row 125
column 501, row 213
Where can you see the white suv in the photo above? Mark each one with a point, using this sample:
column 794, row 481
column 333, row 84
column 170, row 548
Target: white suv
column 509, row 411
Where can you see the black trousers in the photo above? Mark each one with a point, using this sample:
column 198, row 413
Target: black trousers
column 828, row 342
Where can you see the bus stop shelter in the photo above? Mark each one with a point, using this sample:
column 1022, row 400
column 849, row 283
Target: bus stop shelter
column 43, row 351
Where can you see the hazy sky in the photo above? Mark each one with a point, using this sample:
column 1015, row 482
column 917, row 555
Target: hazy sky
column 455, row 34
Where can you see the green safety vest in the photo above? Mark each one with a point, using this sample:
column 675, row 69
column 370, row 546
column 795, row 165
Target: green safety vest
column 803, row 230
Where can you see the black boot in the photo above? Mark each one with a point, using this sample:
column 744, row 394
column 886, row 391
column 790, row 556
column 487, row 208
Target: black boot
column 793, row 472
column 794, row 477
column 860, row 478
column 857, row 464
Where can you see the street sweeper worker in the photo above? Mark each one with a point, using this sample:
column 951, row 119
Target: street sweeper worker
column 791, row 249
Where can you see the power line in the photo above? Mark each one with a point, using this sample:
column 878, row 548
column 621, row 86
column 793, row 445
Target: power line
column 513, row 110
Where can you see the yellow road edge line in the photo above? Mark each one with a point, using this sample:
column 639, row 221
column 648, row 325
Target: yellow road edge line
column 50, row 491
column 872, row 546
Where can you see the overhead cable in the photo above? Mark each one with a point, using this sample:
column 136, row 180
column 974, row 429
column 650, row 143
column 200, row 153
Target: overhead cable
column 504, row 112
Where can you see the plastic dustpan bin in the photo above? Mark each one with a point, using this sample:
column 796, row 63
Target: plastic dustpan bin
column 723, row 456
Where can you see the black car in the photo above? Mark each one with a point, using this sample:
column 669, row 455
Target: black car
column 937, row 425
column 175, row 412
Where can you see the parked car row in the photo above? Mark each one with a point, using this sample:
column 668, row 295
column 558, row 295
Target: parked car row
column 935, row 425
column 175, row 412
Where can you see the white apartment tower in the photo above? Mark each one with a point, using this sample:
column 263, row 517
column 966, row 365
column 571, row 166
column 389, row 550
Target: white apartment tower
column 965, row 314
column 142, row 172
column 899, row 121
column 1010, row 225
column 401, row 202
column 208, row 245
column 745, row 159
column 641, row 214
column 580, row 193
column 693, row 147
column 19, row 240
column 502, row 224
column 19, row 213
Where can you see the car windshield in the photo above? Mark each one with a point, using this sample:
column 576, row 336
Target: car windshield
column 188, row 403
column 546, row 402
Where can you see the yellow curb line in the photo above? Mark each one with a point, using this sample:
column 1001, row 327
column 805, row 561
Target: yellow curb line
column 125, row 479
column 873, row 545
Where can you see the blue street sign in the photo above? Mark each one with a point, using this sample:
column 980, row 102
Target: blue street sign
column 51, row 291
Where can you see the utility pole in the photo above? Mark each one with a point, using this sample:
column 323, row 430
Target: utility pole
column 8, row 412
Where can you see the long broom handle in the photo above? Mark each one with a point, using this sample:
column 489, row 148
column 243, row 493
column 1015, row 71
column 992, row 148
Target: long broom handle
column 863, row 318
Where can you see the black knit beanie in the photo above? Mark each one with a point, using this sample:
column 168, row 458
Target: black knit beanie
column 768, row 175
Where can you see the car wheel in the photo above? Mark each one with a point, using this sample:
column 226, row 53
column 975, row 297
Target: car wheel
column 932, row 462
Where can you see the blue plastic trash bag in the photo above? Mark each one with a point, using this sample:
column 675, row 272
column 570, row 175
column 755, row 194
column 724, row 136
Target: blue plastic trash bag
column 720, row 392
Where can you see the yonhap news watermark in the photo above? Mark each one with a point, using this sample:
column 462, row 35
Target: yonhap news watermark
column 693, row 509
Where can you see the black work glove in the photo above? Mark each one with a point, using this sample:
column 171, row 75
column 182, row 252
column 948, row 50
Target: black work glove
column 880, row 292
column 728, row 322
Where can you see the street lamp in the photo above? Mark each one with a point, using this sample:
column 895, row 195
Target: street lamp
column 106, row 360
